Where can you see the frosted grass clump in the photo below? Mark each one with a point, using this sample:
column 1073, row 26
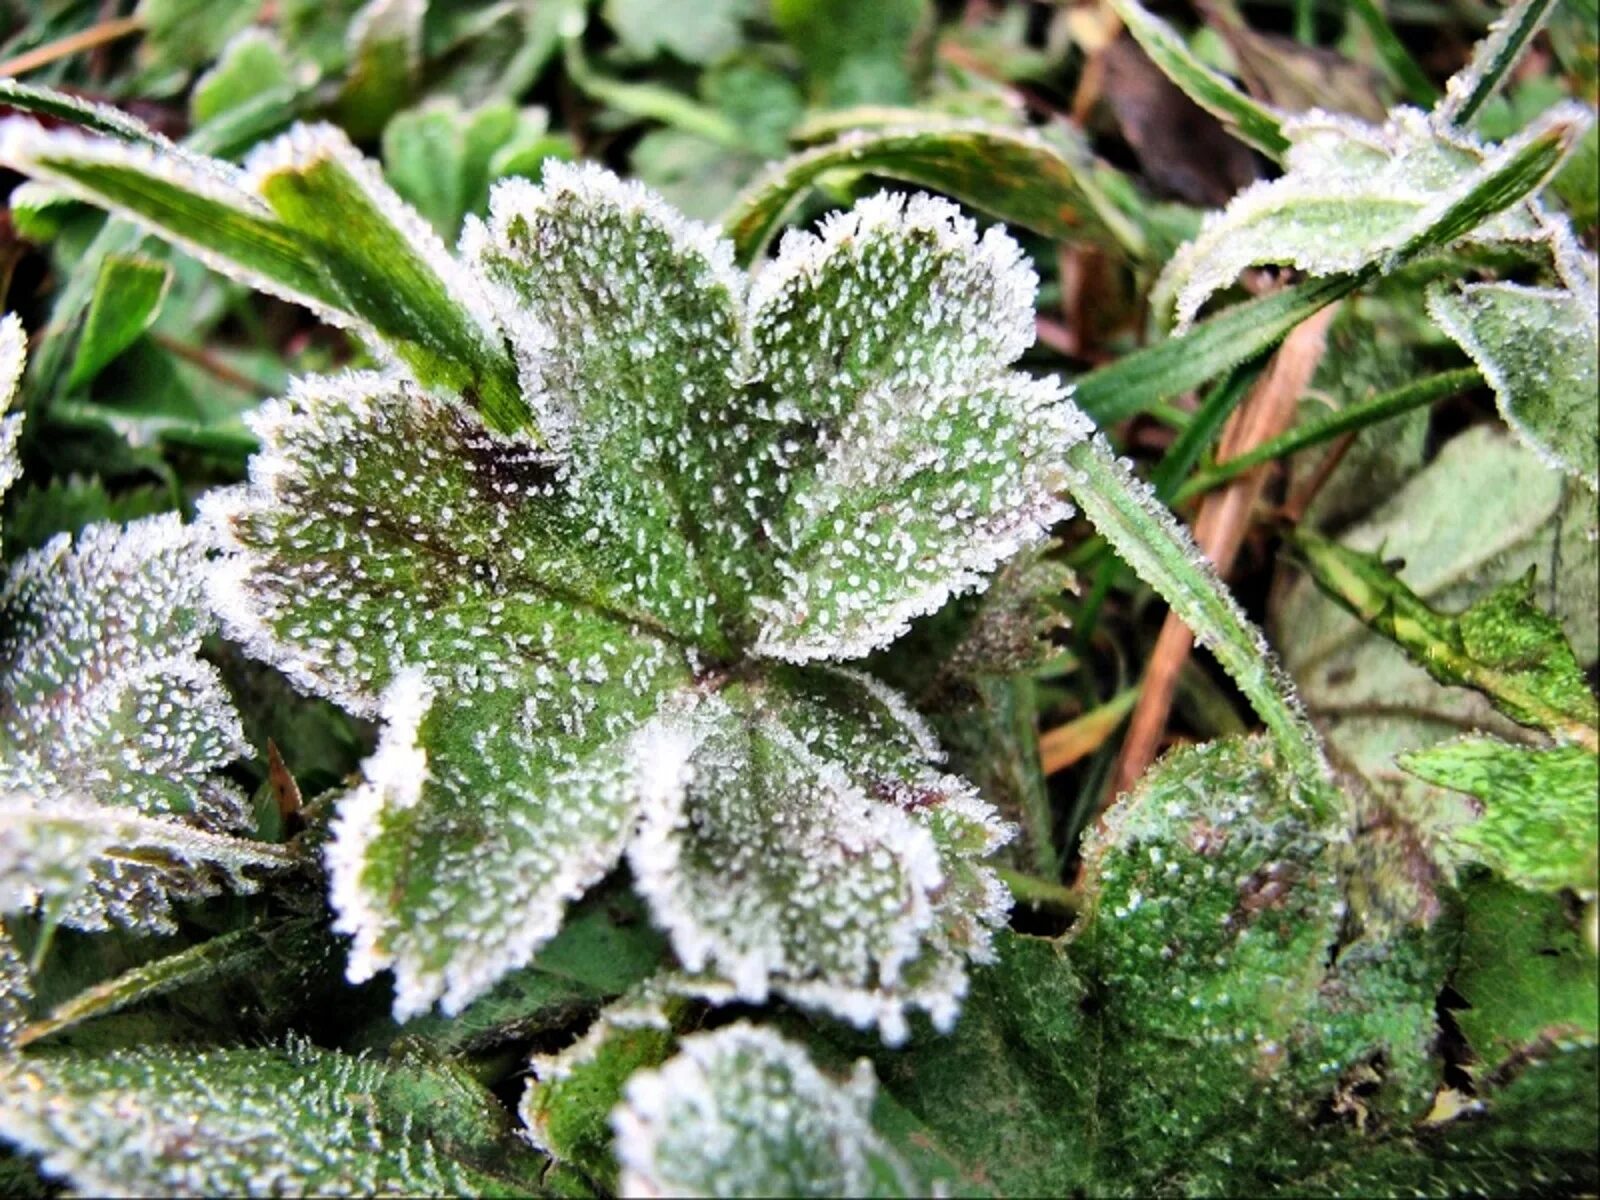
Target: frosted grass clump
column 609, row 632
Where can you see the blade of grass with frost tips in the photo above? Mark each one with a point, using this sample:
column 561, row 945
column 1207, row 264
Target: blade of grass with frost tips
column 1146, row 535
column 196, row 203
column 101, row 118
column 389, row 267
column 258, row 947
column 1251, row 122
column 1470, row 88
column 1419, row 394
column 309, row 220
column 1138, row 381
column 1017, row 177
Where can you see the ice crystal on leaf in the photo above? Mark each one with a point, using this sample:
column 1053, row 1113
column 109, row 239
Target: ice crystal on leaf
column 743, row 1112
column 111, row 729
column 592, row 638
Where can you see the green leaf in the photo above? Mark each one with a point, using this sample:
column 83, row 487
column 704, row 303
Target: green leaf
column 244, row 1122
column 1524, row 975
column 968, row 668
column 1538, row 347
column 567, row 1106
column 696, row 31
column 853, row 53
column 127, row 297
column 1356, row 198
column 90, row 866
column 385, row 58
column 1368, row 696
column 873, row 899
column 1504, row 645
column 1539, row 827
column 108, row 711
column 442, row 158
column 572, row 643
column 744, row 1112
column 1204, row 1026
column 1018, row 177
column 184, row 34
column 1253, row 123
column 936, row 461
column 253, row 64
column 606, row 946
column 388, row 267
column 69, row 505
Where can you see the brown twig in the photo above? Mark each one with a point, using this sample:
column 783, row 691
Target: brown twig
column 84, row 39
column 1219, row 530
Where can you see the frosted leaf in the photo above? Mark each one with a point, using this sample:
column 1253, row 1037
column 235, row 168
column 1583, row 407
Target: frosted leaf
column 160, row 1121
column 308, row 219
column 561, row 634
column 101, row 694
column 1538, row 348
column 103, row 699
column 384, row 528
column 907, row 460
column 93, row 865
column 483, row 813
column 13, row 351
column 16, row 987
column 570, row 1095
column 809, row 849
column 1352, row 195
column 636, row 373
column 743, row 1112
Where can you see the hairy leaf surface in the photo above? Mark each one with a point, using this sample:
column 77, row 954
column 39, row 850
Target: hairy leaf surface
column 297, row 1121
column 744, row 1112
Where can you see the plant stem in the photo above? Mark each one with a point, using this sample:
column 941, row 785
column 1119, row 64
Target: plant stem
column 1040, row 893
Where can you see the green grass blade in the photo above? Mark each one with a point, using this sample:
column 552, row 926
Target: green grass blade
column 1468, row 90
column 1149, row 539
column 1419, row 394
column 1396, row 59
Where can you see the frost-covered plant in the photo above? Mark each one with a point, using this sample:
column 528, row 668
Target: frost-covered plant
column 600, row 617
column 112, row 731
column 612, row 638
